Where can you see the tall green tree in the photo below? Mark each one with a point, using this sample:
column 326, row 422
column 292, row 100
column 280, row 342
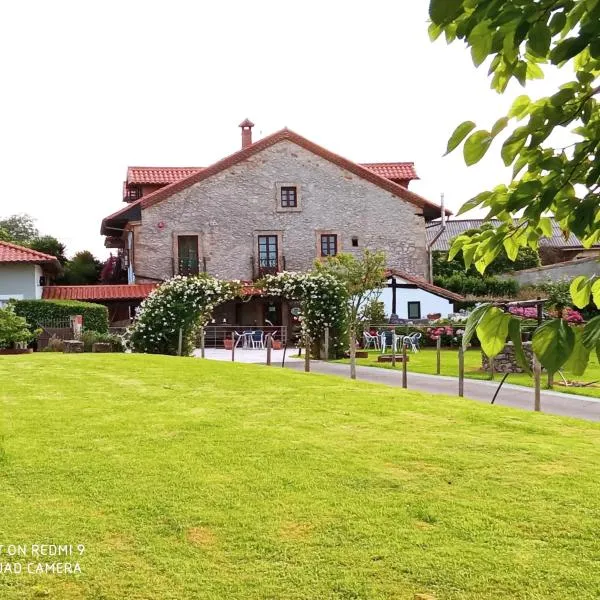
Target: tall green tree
column 49, row 245
column 84, row 268
column 19, row 229
column 363, row 278
column 518, row 39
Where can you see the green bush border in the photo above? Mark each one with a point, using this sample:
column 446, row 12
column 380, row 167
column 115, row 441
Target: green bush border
column 95, row 316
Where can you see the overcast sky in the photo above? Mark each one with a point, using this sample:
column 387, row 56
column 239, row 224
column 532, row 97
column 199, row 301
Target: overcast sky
column 90, row 88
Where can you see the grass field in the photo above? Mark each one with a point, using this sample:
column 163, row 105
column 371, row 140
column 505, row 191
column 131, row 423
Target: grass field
column 196, row 479
column 425, row 361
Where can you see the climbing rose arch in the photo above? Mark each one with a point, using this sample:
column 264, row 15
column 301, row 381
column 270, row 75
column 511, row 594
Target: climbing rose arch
column 180, row 302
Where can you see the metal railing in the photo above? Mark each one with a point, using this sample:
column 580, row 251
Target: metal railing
column 218, row 336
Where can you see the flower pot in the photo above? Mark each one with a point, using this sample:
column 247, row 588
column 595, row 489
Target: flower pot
column 228, row 344
column 276, row 344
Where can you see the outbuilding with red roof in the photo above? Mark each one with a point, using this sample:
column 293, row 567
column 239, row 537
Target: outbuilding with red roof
column 23, row 272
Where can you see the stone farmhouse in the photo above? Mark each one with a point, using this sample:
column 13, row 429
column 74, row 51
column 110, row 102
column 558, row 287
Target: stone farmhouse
column 278, row 203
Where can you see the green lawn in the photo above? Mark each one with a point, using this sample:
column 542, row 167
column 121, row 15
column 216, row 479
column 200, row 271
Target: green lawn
column 425, row 361
column 191, row 479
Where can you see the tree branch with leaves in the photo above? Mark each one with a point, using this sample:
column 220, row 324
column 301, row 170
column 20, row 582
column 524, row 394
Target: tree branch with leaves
column 519, row 38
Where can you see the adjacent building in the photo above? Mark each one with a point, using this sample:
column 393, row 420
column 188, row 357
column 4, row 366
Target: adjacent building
column 23, row 272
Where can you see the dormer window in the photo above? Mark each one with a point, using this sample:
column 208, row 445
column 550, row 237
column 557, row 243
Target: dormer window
column 289, row 197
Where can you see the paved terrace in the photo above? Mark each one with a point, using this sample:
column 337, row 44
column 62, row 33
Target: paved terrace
column 556, row 403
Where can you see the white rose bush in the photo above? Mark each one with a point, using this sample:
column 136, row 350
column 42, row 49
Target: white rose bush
column 180, row 302
column 322, row 300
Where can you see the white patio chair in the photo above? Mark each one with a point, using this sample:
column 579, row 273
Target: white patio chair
column 258, row 339
column 371, row 341
column 414, row 340
column 386, row 340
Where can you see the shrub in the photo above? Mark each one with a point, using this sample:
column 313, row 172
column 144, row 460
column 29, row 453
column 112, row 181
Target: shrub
column 55, row 344
column 95, row 316
column 476, row 285
column 13, row 329
column 90, row 337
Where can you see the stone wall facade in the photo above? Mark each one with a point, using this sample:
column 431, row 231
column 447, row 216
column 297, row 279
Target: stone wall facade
column 505, row 362
column 229, row 210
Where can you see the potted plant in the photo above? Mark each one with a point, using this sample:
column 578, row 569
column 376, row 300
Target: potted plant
column 276, row 344
column 228, row 343
column 14, row 333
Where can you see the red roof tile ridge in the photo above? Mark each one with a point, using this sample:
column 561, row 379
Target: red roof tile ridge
column 35, row 253
column 274, row 138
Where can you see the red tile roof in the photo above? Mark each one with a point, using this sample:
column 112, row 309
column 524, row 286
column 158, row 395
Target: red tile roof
column 425, row 285
column 430, row 209
column 91, row 293
column 11, row 253
column 159, row 175
column 393, row 170
column 167, row 175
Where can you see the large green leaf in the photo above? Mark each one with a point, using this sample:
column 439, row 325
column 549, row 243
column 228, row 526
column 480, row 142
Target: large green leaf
column 591, row 333
column 581, row 289
column 512, row 146
column 480, row 40
column 443, row 11
column 539, row 38
column 499, row 125
column 492, row 331
column 553, row 343
column 476, row 146
column 567, row 49
column 519, row 106
column 474, row 202
column 578, row 360
column 459, row 134
column 514, row 333
column 596, row 292
column 472, row 322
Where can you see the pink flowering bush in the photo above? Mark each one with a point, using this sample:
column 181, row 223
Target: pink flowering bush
column 526, row 312
column 572, row 316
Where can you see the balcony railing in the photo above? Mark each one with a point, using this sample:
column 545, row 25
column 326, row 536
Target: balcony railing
column 188, row 266
column 130, row 194
column 266, row 267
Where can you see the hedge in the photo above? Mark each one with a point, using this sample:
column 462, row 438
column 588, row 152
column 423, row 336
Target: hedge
column 95, row 316
column 473, row 285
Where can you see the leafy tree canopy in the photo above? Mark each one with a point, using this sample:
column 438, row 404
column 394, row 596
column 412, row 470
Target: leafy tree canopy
column 19, row 229
column 49, row 245
column 83, row 268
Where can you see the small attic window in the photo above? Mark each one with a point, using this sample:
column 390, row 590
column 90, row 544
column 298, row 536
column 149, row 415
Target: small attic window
column 354, row 241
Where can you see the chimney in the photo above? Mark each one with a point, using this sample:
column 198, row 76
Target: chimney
column 246, row 126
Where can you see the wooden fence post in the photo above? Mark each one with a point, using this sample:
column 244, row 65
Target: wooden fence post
column 232, row 346
column 326, row 343
column 461, row 371
column 537, row 379
column 269, row 346
column 404, row 366
column 307, row 353
column 180, row 342
column 202, row 342
column 438, row 347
